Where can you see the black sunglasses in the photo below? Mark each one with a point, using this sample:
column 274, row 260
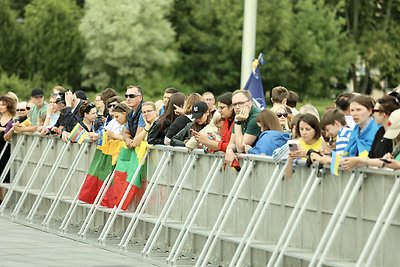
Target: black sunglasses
column 131, row 95
column 21, row 109
column 112, row 105
column 285, row 114
column 28, row 108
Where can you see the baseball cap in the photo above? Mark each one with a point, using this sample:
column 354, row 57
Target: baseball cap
column 394, row 125
column 198, row 109
column 37, row 92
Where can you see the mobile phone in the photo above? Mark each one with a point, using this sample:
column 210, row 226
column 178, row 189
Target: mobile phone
column 293, row 145
column 385, row 160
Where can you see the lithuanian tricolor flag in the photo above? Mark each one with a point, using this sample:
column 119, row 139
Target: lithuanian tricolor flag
column 128, row 162
column 102, row 165
column 78, row 134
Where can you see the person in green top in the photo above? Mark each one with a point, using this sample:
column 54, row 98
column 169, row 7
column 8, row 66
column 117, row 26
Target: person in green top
column 246, row 130
column 38, row 110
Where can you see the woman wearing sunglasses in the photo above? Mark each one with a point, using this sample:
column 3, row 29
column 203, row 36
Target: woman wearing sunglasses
column 282, row 114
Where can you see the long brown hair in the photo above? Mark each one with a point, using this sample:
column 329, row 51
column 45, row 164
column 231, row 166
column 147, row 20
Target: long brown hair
column 269, row 120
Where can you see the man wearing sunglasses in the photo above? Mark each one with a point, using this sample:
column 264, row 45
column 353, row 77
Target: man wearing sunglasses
column 246, row 130
column 38, row 110
column 135, row 122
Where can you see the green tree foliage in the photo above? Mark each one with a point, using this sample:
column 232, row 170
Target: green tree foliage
column 209, row 43
column 10, row 36
column 127, row 41
column 54, row 48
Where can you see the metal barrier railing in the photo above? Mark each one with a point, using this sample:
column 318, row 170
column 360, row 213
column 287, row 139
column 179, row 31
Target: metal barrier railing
column 241, row 213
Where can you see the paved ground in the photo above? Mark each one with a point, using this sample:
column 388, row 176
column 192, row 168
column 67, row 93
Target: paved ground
column 22, row 246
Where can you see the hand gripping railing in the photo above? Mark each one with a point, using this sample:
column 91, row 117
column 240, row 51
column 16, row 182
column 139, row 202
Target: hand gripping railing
column 333, row 221
column 96, row 204
column 380, row 227
column 64, row 185
column 196, row 207
column 163, row 162
column 14, row 152
column 46, row 183
column 342, row 216
column 308, row 190
column 19, row 174
column 116, row 210
column 168, row 205
column 225, row 212
column 258, row 215
column 33, row 177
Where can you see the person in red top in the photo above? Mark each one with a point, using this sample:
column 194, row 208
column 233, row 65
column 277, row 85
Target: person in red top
column 228, row 115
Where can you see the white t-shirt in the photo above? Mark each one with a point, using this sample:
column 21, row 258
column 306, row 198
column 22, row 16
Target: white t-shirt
column 114, row 127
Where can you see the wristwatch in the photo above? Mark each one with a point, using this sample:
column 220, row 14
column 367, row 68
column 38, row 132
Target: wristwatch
column 238, row 122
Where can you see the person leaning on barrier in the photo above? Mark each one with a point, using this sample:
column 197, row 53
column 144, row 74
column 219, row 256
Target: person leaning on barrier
column 52, row 114
column 333, row 123
column 310, row 140
column 120, row 113
column 212, row 131
column 160, row 127
column 246, row 130
column 22, row 112
column 135, row 122
column 228, row 115
column 184, row 118
column 71, row 113
column 393, row 132
column 272, row 135
column 39, row 109
column 201, row 117
column 7, row 111
column 363, row 134
column 88, row 113
column 149, row 112
column 110, row 124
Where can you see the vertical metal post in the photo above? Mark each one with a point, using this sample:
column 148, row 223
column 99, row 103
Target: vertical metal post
column 203, row 193
column 221, row 220
column 372, row 238
column 168, row 205
column 32, row 178
column 333, row 221
column 64, row 185
column 289, row 224
column 14, row 152
column 115, row 211
column 257, row 217
column 18, row 175
column 349, row 202
column 144, row 201
column 248, row 39
column 46, row 183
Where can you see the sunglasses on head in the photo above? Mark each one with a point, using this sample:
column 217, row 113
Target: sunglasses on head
column 285, row 114
column 131, row 95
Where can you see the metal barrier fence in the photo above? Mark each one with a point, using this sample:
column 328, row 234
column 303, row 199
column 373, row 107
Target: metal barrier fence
column 193, row 212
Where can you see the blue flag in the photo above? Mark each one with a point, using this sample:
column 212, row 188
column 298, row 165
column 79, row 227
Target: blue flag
column 254, row 84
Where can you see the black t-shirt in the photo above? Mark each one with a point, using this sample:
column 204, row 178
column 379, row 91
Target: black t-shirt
column 380, row 146
column 177, row 125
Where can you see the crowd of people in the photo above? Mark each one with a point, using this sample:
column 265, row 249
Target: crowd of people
column 364, row 132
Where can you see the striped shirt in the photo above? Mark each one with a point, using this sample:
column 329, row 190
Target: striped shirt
column 342, row 139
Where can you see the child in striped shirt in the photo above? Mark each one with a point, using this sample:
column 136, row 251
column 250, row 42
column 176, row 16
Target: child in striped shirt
column 333, row 123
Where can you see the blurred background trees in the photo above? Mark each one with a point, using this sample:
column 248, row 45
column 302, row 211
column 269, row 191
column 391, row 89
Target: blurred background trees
column 314, row 47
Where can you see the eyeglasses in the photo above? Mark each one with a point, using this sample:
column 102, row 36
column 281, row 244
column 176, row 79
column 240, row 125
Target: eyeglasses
column 221, row 107
column 377, row 110
column 285, row 114
column 131, row 95
column 240, row 103
column 112, row 105
column 147, row 112
column 21, row 110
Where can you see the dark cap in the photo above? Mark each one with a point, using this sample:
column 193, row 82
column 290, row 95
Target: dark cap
column 199, row 109
column 81, row 95
column 37, row 92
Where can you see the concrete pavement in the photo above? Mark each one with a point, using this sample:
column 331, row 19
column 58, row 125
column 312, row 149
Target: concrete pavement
column 22, row 246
